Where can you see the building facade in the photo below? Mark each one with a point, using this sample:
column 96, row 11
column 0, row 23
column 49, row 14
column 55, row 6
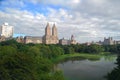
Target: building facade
column 50, row 37
column 108, row 41
column 2, row 38
column 73, row 41
column 33, row 39
column 67, row 42
column 6, row 30
column 20, row 39
column 64, row 42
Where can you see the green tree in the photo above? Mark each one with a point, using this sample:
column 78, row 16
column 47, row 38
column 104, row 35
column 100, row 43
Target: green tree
column 46, row 52
column 34, row 51
column 28, row 61
column 7, row 50
column 58, row 75
column 17, row 67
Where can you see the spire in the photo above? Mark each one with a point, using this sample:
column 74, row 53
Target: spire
column 47, row 30
column 54, row 30
column 54, row 25
column 47, row 24
column 72, row 37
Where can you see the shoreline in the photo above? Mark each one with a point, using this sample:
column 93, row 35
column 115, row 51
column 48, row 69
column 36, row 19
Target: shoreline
column 77, row 56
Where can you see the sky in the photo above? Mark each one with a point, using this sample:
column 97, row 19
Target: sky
column 87, row 20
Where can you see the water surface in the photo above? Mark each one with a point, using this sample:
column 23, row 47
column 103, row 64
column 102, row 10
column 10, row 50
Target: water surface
column 87, row 69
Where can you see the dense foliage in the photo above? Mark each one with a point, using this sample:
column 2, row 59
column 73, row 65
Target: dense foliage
column 34, row 61
column 91, row 49
column 28, row 62
column 112, row 48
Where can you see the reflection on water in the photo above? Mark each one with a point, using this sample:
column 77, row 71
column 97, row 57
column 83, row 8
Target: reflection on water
column 87, row 69
column 115, row 73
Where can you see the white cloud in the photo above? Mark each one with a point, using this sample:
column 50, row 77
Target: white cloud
column 23, row 21
column 76, row 1
column 58, row 2
column 82, row 18
column 15, row 3
column 61, row 3
column 98, row 2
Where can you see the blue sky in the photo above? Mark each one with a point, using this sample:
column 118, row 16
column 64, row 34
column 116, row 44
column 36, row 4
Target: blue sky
column 87, row 20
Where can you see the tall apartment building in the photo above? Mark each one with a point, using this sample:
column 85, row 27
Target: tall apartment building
column 6, row 30
column 50, row 36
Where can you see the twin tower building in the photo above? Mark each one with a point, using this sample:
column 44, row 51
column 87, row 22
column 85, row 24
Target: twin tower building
column 51, row 35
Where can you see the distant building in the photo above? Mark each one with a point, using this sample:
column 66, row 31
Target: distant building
column 108, row 41
column 87, row 43
column 31, row 39
column 67, row 42
column 20, row 39
column 97, row 43
column 6, row 30
column 73, row 41
column 117, row 42
column 2, row 38
column 50, row 37
column 64, row 42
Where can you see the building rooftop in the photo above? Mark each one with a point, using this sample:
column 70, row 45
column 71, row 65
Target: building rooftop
column 6, row 24
column 34, row 37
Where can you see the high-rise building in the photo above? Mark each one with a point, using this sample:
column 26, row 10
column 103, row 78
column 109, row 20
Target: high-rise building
column 6, row 30
column 50, row 38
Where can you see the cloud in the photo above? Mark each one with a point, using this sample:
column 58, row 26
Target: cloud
column 12, row 3
column 23, row 21
column 98, row 2
column 86, row 19
column 58, row 2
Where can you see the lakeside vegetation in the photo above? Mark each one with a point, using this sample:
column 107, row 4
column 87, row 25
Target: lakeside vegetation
column 76, row 56
column 35, row 61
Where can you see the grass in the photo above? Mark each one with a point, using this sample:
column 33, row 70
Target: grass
column 77, row 56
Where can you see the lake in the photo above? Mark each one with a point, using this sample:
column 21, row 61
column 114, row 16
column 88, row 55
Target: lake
column 87, row 69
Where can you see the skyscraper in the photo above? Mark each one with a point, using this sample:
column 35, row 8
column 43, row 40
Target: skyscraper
column 48, row 30
column 6, row 30
column 54, row 30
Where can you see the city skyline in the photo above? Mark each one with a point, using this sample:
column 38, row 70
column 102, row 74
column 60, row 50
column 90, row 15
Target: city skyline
column 87, row 20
